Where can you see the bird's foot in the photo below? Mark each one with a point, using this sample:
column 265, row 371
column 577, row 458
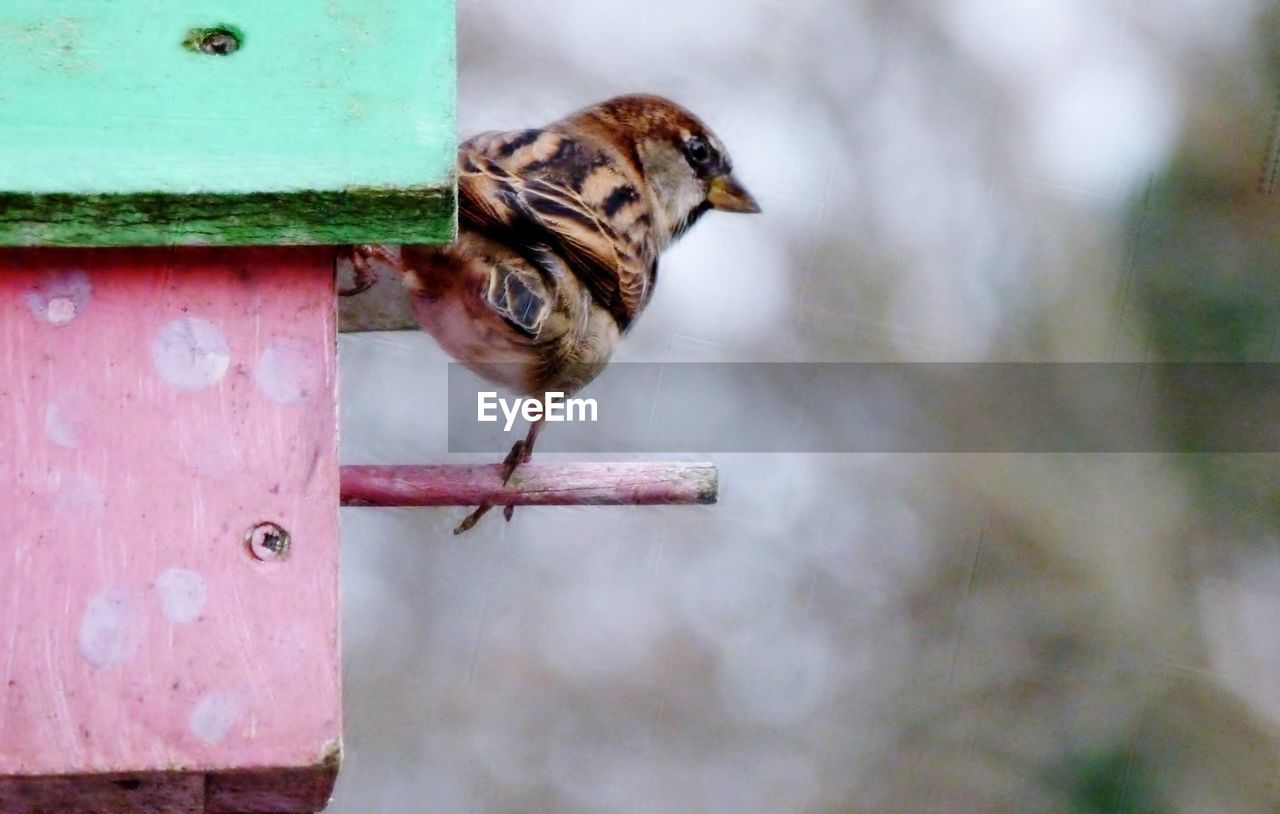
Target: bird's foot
column 469, row 522
column 365, row 259
column 363, row 275
column 521, row 452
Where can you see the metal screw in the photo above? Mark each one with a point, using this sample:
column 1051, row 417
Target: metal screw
column 268, row 542
column 220, row 41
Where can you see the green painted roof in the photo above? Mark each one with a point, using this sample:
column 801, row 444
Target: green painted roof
column 331, row 122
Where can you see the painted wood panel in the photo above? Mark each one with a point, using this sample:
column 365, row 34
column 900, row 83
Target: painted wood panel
column 144, row 122
column 156, row 405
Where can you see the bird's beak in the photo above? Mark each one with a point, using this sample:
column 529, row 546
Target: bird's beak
column 727, row 195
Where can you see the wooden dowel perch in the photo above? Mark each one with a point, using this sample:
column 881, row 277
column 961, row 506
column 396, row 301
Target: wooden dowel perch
column 643, row 483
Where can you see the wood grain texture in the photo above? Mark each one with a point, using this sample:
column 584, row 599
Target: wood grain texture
column 533, row 484
column 331, row 123
column 155, row 405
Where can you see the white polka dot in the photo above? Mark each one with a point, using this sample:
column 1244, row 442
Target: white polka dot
column 111, row 629
column 67, row 417
column 182, row 594
column 61, row 310
column 214, row 716
column 190, row 353
column 289, row 371
column 60, row 297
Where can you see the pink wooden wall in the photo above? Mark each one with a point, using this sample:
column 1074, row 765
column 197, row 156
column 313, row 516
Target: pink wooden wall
column 154, row 406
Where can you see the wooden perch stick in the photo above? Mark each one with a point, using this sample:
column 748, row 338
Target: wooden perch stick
column 644, row 483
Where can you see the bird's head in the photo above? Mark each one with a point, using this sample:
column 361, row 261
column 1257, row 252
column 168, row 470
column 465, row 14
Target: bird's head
column 685, row 165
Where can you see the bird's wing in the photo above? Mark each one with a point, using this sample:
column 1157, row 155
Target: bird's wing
column 541, row 189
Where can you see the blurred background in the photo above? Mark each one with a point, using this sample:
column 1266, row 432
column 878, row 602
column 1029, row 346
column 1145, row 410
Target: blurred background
column 957, row 180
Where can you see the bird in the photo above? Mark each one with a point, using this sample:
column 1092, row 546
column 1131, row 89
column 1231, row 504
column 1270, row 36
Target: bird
column 560, row 229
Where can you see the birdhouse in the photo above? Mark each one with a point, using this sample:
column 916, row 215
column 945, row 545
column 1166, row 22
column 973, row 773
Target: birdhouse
column 175, row 179
column 178, row 183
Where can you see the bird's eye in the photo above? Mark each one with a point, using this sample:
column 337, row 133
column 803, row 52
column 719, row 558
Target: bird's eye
column 698, row 151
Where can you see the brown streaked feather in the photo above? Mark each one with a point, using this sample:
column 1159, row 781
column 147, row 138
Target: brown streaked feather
column 531, row 327
column 545, row 187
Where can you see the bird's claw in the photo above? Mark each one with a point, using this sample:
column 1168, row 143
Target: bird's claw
column 365, row 258
column 469, row 522
column 363, row 275
column 521, row 452
column 362, row 282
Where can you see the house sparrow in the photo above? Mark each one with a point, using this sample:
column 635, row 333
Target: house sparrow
column 560, row 229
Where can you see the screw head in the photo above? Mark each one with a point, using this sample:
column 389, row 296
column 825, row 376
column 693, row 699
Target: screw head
column 221, row 41
column 269, row 542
